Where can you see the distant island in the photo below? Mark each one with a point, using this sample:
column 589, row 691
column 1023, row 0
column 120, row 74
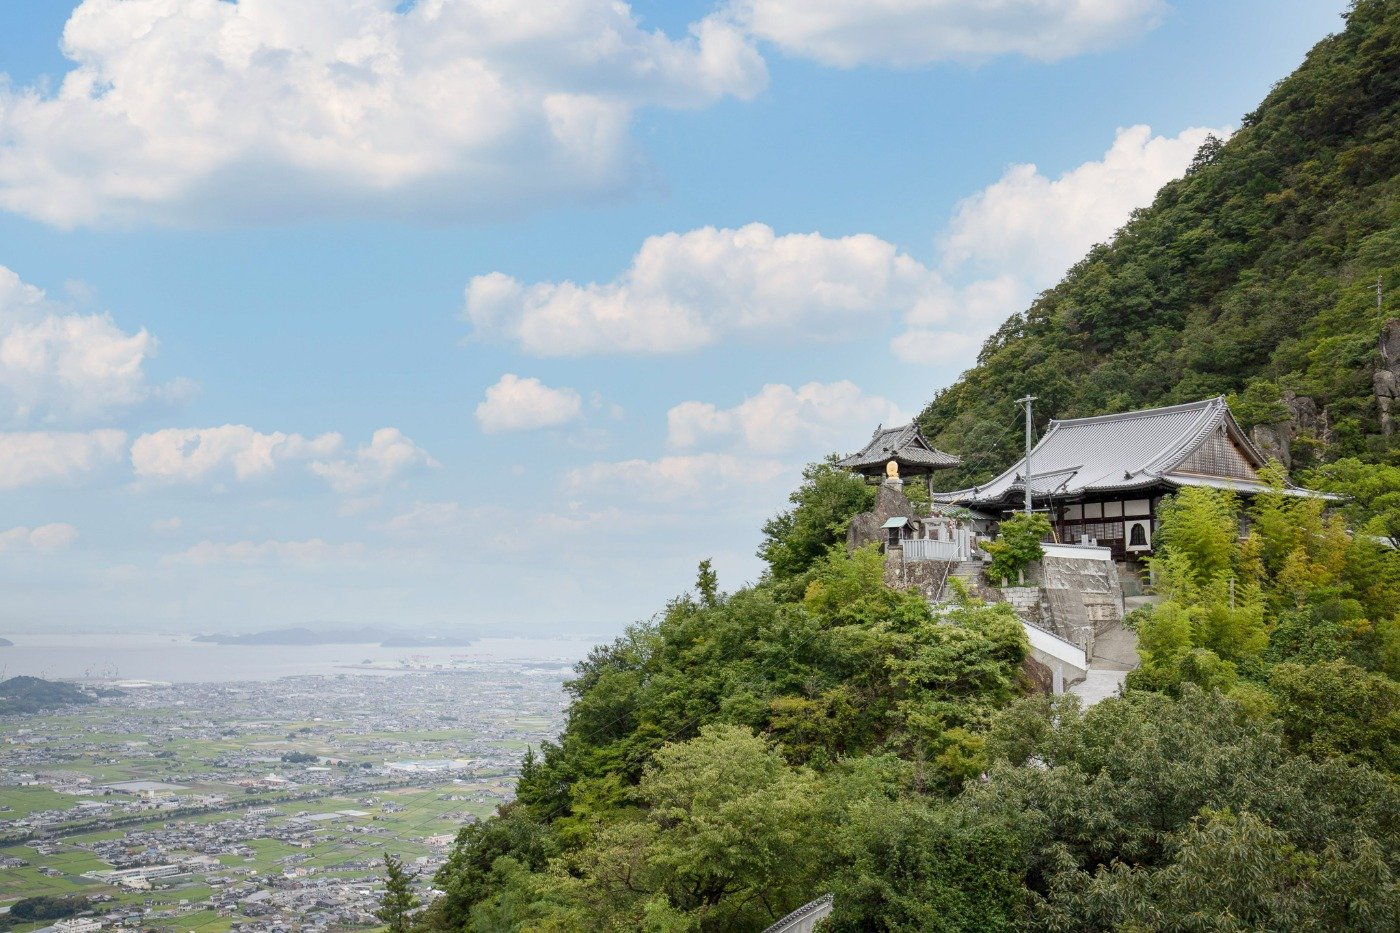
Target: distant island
column 360, row 636
column 6, row 643
column 24, row 694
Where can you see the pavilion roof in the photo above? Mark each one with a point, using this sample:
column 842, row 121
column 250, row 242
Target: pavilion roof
column 905, row 445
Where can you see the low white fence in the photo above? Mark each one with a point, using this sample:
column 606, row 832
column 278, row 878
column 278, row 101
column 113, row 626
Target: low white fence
column 960, row 548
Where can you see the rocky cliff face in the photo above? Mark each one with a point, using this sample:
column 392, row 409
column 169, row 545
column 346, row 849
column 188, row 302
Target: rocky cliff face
column 1306, row 420
column 1386, row 379
column 867, row 527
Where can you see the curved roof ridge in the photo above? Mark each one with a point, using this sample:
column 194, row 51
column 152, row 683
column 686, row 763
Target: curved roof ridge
column 1140, row 413
column 1212, row 413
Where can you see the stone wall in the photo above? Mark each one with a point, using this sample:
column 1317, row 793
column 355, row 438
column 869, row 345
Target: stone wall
column 1078, row 598
column 925, row 576
column 1096, row 582
column 1025, row 600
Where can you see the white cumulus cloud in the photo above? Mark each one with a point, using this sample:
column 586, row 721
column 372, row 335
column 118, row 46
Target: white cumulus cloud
column 31, row 457
column 1027, row 221
column 696, row 479
column 684, row 291
column 424, row 519
column 57, row 366
column 192, row 111
column 1019, row 235
column 917, row 32
column 388, row 455
column 811, row 419
column 526, row 404
column 44, row 539
column 191, row 454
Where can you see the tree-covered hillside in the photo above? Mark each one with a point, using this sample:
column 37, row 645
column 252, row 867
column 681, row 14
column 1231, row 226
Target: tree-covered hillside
column 31, row 694
column 819, row 732
column 1253, row 274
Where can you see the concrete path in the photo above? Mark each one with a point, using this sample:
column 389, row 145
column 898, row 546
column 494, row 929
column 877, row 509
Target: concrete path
column 1115, row 653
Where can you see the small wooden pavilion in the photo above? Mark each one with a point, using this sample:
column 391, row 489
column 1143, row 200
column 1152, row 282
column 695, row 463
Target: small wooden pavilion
column 906, row 446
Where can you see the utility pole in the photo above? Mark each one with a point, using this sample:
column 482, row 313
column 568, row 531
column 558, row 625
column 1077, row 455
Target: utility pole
column 1027, row 402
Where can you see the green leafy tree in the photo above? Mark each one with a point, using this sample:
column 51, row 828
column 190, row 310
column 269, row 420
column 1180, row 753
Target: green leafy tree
column 1233, row 871
column 1333, row 708
column 707, row 585
column 399, row 901
column 1372, row 495
column 1017, row 545
column 822, row 509
column 1199, row 526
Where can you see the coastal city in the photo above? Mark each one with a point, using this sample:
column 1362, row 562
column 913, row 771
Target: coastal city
column 257, row 806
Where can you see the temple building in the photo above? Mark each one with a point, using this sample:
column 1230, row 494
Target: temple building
column 1101, row 479
column 904, row 445
column 938, row 532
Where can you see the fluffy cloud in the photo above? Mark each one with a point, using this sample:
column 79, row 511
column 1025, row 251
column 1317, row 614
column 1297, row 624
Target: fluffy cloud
column 190, row 454
column 62, row 367
column 31, row 457
column 45, row 539
column 1026, row 221
column 694, row 478
column 1019, row 235
column 916, row 32
column 812, row 419
column 387, row 456
column 684, row 291
column 310, row 552
column 516, row 404
column 182, row 111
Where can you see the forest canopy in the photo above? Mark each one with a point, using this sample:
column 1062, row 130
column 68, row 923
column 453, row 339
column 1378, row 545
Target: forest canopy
column 819, row 732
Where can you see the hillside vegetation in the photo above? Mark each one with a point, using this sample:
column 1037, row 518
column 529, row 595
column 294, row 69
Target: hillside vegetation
column 25, row 694
column 1254, row 273
column 818, row 732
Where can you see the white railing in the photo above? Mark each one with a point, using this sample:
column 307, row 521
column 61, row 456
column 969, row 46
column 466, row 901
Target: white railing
column 960, row 548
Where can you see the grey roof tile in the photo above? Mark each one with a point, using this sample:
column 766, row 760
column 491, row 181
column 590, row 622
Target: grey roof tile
column 1112, row 453
column 904, row 444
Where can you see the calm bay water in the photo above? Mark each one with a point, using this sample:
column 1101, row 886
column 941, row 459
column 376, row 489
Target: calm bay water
column 178, row 658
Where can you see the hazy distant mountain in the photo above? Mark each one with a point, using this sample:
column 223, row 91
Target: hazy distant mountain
column 31, row 694
column 6, row 643
column 359, row 636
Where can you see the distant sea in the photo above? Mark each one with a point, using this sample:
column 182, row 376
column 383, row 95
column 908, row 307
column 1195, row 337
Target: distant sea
column 178, row 658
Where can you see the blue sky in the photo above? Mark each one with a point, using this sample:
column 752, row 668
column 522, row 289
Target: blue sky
column 285, row 256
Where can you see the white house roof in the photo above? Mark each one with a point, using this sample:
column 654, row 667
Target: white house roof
column 1121, row 453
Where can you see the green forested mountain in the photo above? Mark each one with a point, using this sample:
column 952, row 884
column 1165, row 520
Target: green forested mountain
column 31, row 694
column 1256, row 270
column 818, row 732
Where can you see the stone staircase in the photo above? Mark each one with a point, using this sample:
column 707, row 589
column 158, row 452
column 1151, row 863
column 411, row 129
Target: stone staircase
column 968, row 571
